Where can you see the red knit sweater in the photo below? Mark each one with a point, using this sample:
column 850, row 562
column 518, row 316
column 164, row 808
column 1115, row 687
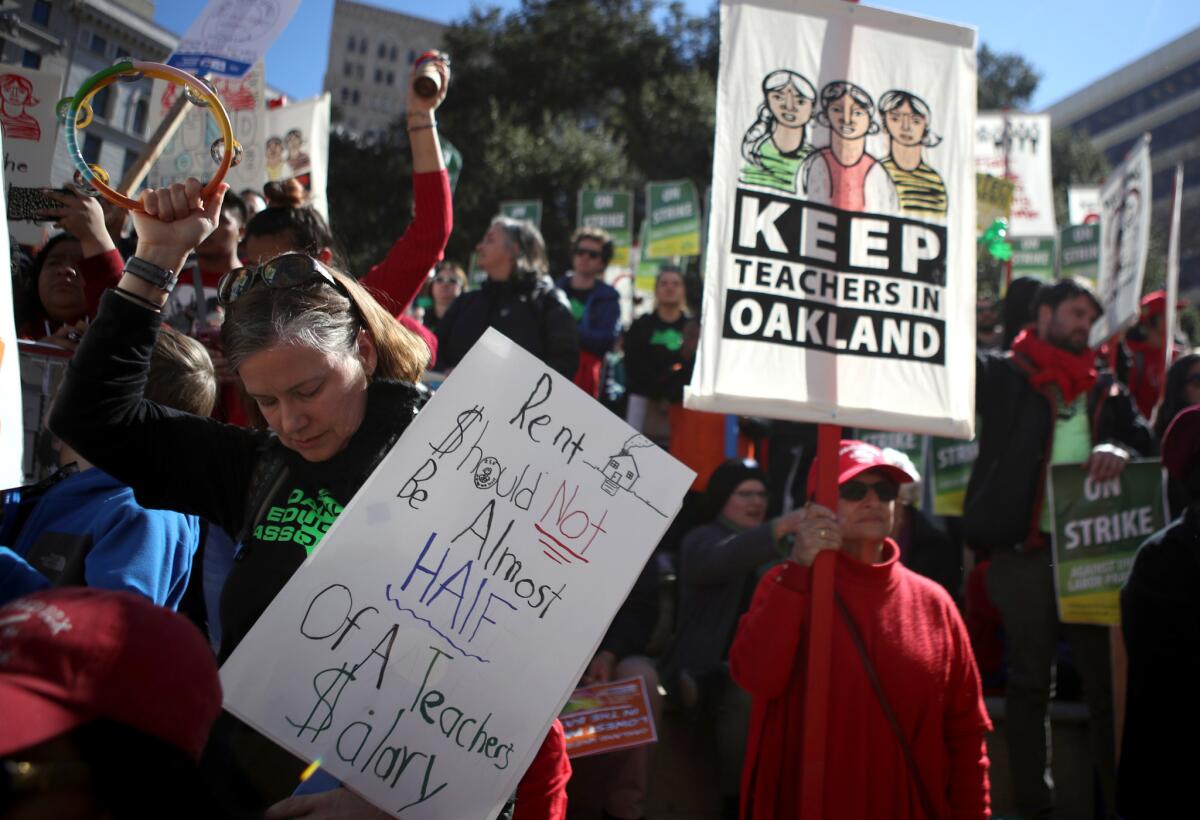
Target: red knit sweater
column 920, row 649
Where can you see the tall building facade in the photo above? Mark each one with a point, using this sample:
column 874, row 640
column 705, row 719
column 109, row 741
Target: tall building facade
column 1159, row 94
column 371, row 51
column 75, row 39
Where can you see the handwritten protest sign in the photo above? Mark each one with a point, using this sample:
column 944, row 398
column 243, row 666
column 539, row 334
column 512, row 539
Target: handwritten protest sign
column 426, row 645
column 608, row 717
column 1125, row 205
column 1083, row 204
column 230, row 36
column 613, row 212
column 1097, row 528
column 840, row 271
column 11, row 426
column 30, row 129
column 1017, row 147
column 530, row 209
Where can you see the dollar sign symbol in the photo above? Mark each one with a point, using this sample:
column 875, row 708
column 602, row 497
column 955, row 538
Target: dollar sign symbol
column 454, row 438
column 340, row 677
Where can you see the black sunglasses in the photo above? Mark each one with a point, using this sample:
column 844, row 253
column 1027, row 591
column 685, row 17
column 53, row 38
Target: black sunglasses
column 594, row 254
column 857, row 490
column 288, row 270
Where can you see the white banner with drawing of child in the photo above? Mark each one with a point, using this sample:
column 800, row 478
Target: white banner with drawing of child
column 840, row 281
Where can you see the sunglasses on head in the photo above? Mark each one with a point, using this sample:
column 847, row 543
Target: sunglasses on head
column 589, row 252
column 289, row 270
column 857, row 490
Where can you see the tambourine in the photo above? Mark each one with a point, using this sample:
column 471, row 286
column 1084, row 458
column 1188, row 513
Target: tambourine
column 76, row 113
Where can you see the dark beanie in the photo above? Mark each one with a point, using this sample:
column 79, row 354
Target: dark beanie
column 723, row 481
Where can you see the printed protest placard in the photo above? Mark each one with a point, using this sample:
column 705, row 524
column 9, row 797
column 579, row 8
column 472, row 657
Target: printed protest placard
column 953, row 461
column 911, row 444
column 993, row 200
column 297, row 147
column 1083, row 204
column 230, row 36
column 673, row 217
column 425, row 646
column 612, row 211
column 1079, row 253
column 1098, row 527
column 840, row 278
column 1017, row 147
column 12, row 429
column 530, row 209
column 1125, row 205
column 608, row 717
column 1033, row 256
column 189, row 152
column 30, row 130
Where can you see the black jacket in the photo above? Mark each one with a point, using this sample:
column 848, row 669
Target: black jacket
column 1005, row 493
column 534, row 314
column 1160, row 619
column 654, row 364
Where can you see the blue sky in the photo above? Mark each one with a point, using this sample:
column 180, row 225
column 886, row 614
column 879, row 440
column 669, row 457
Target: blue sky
column 1072, row 42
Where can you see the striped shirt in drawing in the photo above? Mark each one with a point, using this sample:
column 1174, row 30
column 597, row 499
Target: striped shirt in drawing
column 921, row 190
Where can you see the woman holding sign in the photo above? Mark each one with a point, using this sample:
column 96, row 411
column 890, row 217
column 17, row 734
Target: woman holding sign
column 918, row 750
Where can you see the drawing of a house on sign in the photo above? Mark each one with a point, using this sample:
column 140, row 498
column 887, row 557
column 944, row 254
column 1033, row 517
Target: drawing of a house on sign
column 621, row 473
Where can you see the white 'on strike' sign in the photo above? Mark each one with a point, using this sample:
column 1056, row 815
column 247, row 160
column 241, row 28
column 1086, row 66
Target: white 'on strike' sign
column 424, row 648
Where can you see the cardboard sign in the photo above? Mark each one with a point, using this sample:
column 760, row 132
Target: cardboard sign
column 424, row 648
column 608, row 717
column 1097, row 528
column 673, row 217
column 31, row 133
column 297, row 147
column 1125, row 205
column 1079, row 253
column 230, row 36
column 1017, row 147
column 1083, row 204
column 840, row 270
column 530, row 209
column 612, row 211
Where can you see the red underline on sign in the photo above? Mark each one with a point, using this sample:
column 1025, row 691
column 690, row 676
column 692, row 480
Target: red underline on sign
column 570, row 551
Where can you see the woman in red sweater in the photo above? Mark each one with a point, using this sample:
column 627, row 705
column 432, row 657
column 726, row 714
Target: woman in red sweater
column 916, row 643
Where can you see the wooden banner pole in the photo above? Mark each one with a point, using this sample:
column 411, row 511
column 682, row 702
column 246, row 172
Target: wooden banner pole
column 157, row 144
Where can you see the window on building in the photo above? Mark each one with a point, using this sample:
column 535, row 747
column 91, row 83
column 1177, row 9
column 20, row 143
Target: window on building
column 391, row 78
column 31, row 59
column 382, row 52
column 102, row 101
column 354, row 97
column 392, row 52
column 98, row 44
column 345, row 94
column 352, row 44
column 378, row 75
column 141, row 112
column 130, row 158
column 41, row 12
column 412, row 56
column 359, row 70
column 362, row 46
column 122, row 53
column 91, row 149
column 348, row 69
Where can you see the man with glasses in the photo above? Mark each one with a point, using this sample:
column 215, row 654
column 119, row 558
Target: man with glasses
column 1043, row 404
column 594, row 303
column 906, row 714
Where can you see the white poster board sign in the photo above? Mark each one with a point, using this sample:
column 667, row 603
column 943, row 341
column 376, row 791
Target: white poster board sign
column 840, row 280
column 189, row 151
column 1125, row 204
column 1083, row 204
column 424, row 648
column 12, row 426
column 30, row 128
column 297, row 147
column 1017, row 146
column 230, row 36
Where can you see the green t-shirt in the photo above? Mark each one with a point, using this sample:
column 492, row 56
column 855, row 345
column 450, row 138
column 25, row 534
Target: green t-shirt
column 778, row 170
column 1072, row 445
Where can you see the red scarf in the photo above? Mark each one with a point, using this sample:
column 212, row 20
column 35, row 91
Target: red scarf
column 1072, row 373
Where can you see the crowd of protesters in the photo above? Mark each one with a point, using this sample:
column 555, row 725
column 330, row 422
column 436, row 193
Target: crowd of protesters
column 230, row 339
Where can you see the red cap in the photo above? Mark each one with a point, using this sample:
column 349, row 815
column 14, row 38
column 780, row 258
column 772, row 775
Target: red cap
column 75, row 654
column 855, row 458
column 1154, row 303
column 1181, row 443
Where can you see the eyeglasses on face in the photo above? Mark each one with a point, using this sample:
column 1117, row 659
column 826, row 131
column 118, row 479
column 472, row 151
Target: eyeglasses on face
column 288, row 270
column 589, row 252
column 750, row 495
column 857, row 490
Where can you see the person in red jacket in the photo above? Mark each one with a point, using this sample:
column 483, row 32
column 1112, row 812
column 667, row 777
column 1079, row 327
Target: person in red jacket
column 1146, row 344
column 929, row 758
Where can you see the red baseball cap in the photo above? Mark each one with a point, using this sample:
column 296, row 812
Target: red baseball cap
column 854, row 459
column 1181, row 443
column 1154, row 303
column 75, row 654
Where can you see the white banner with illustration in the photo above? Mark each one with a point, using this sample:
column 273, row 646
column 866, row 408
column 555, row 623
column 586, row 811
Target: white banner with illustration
column 840, row 280
column 1125, row 204
column 297, row 147
column 1083, row 204
column 30, row 129
column 1017, row 147
column 424, row 648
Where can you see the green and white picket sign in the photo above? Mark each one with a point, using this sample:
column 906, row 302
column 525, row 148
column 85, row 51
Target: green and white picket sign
column 1079, row 253
column 953, row 460
column 454, row 161
column 530, row 209
column 673, row 214
column 613, row 212
column 1097, row 529
column 1033, row 256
